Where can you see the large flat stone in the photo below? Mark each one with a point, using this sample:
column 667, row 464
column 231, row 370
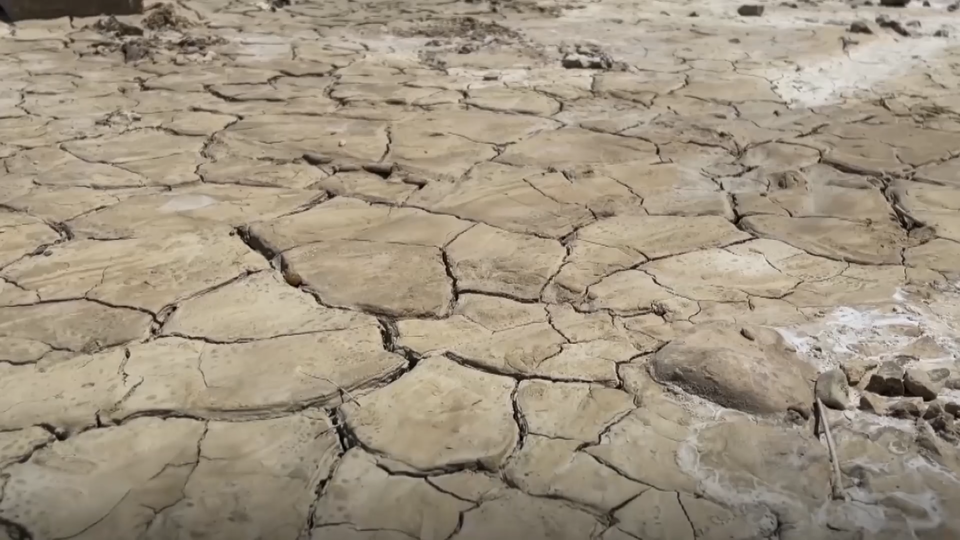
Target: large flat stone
column 178, row 478
column 369, row 498
column 495, row 333
column 178, row 266
column 451, row 416
column 749, row 369
column 879, row 242
column 393, row 279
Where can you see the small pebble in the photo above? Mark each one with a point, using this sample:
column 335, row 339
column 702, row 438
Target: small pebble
column 800, row 410
column 859, row 27
column 750, row 10
column 833, row 390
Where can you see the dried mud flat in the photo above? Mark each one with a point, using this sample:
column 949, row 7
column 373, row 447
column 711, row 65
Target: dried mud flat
column 473, row 270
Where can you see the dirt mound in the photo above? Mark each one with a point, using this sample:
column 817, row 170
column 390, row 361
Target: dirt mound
column 165, row 17
column 113, row 27
column 148, row 43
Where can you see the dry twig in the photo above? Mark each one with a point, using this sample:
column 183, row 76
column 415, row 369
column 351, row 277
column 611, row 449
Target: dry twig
column 836, row 487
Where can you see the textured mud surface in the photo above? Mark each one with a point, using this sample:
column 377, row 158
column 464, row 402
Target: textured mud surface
column 371, row 270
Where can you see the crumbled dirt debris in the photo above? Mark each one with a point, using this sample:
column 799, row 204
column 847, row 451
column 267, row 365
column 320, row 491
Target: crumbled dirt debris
column 136, row 50
column 589, row 56
column 463, row 35
column 112, row 27
column 579, row 61
column 198, row 44
column 464, row 28
column 133, row 49
column 136, row 43
column 519, row 6
column 119, row 118
column 432, row 59
column 146, row 48
column 165, row 17
column 886, row 22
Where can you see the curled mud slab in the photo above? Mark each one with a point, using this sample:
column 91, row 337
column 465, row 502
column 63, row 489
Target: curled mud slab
column 480, row 269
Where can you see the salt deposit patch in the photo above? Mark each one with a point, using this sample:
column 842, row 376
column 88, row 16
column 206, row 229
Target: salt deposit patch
column 863, row 69
column 847, row 333
column 873, row 334
column 184, row 203
column 864, row 509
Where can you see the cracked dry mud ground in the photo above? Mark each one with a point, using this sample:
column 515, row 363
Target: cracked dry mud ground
column 412, row 270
